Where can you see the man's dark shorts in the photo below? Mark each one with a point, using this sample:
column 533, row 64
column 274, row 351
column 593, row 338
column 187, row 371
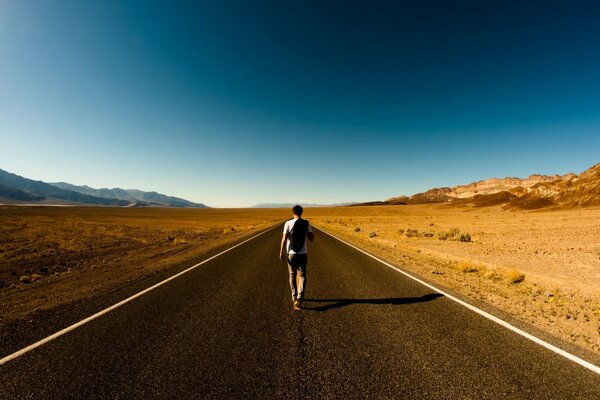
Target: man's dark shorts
column 298, row 261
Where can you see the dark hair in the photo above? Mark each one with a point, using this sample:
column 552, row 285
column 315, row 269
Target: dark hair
column 297, row 210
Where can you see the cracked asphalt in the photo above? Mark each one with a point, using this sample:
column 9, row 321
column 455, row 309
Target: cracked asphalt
column 227, row 330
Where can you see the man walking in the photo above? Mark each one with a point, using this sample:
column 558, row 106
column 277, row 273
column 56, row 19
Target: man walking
column 293, row 245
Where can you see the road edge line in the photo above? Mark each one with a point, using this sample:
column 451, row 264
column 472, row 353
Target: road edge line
column 535, row 339
column 84, row 321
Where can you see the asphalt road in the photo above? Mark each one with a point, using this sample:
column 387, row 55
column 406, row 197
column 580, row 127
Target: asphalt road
column 227, row 330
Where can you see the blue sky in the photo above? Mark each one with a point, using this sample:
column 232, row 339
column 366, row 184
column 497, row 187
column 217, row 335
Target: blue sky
column 235, row 103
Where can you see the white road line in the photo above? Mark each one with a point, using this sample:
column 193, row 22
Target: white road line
column 119, row 304
column 497, row 320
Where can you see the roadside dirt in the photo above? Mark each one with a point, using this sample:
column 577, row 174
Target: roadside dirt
column 51, row 256
column 540, row 267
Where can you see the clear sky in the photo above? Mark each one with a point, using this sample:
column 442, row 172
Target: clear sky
column 234, row 103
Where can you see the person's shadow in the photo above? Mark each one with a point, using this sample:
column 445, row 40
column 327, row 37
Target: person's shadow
column 338, row 303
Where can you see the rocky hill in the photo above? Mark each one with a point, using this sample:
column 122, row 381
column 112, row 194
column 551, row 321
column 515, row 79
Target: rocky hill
column 535, row 191
column 570, row 191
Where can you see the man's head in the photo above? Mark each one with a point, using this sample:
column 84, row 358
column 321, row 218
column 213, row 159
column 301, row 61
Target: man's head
column 297, row 210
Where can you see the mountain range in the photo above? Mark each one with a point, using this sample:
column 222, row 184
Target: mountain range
column 536, row 191
column 134, row 196
column 290, row 205
column 15, row 189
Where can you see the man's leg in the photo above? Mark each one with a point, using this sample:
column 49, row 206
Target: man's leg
column 292, row 271
column 301, row 268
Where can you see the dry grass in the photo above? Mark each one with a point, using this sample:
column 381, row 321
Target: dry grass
column 467, row 267
column 54, row 255
column 515, row 276
column 509, row 259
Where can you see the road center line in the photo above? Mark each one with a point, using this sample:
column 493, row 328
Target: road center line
column 119, row 304
column 489, row 316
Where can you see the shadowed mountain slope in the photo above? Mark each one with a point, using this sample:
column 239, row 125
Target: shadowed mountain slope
column 137, row 197
column 17, row 189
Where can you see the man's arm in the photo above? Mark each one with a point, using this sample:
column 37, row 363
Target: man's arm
column 282, row 247
column 311, row 236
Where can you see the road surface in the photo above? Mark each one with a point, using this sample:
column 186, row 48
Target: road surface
column 227, row 330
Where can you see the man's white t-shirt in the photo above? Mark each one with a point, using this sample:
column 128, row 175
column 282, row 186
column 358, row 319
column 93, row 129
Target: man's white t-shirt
column 287, row 228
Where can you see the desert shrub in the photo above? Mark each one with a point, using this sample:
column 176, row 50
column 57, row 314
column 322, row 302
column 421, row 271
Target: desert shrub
column 428, row 234
column 453, row 232
column 462, row 237
column 455, row 235
column 515, row 276
column 400, row 231
column 597, row 250
column 357, row 229
column 409, row 233
column 372, row 234
column 467, row 267
column 493, row 275
column 443, row 235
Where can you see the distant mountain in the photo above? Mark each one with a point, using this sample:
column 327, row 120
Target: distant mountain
column 17, row 189
column 290, row 205
column 136, row 197
column 570, row 191
column 533, row 192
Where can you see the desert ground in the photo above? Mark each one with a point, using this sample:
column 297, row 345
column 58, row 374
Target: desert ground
column 55, row 255
column 542, row 267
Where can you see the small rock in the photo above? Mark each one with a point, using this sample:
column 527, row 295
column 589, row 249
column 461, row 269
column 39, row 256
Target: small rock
column 549, row 294
column 25, row 279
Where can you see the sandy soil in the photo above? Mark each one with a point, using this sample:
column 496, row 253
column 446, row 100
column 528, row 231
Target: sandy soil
column 54, row 255
column 542, row 267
